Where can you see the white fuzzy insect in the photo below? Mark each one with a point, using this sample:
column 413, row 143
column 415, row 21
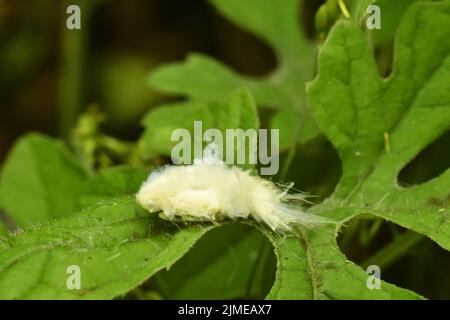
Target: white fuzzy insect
column 209, row 190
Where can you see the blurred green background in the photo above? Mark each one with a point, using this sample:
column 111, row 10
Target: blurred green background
column 49, row 74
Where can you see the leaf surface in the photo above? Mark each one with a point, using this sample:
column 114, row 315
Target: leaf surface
column 39, row 180
column 116, row 246
column 377, row 126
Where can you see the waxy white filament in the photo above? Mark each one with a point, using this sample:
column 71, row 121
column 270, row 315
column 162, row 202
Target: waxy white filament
column 209, row 190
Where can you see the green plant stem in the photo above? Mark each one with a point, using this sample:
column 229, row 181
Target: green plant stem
column 288, row 161
column 290, row 156
column 343, row 8
column 394, row 250
column 349, row 234
column 72, row 92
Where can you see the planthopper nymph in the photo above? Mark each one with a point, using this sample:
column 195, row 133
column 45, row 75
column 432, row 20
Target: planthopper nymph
column 209, row 190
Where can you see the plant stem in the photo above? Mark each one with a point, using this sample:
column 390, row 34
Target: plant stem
column 394, row 250
column 290, row 156
column 72, row 93
column 343, row 8
column 288, row 161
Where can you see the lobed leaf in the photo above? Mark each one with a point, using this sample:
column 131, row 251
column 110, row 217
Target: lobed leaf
column 203, row 79
column 238, row 112
column 378, row 126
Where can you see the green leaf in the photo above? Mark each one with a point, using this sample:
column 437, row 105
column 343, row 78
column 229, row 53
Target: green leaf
column 110, row 183
column 39, row 180
column 293, row 279
column 161, row 122
column 201, row 78
column 378, row 126
column 367, row 117
column 231, row 257
column 238, row 112
column 117, row 246
column 312, row 267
